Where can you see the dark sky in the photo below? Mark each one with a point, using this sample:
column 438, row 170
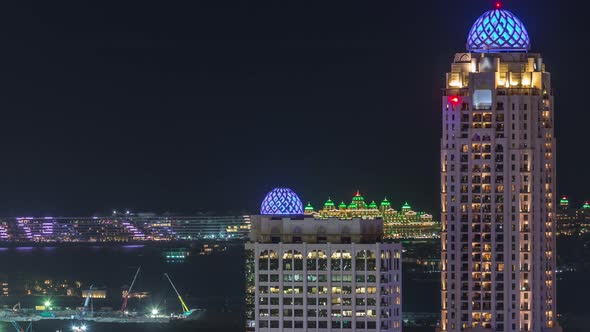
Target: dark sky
column 195, row 106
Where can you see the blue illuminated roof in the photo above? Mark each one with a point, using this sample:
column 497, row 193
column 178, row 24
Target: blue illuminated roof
column 498, row 30
column 281, row 201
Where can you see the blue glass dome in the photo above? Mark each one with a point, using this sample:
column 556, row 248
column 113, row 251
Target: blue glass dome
column 281, row 201
column 498, row 30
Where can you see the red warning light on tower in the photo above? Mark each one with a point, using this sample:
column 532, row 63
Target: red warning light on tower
column 455, row 100
column 498, row 4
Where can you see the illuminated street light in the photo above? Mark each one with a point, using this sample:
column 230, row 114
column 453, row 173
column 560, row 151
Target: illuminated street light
column 81, row 328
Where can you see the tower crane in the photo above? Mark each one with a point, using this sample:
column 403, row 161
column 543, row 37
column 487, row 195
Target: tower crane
column 124, row 305
column 20, row 329
column 185, row 310
column 87, row 301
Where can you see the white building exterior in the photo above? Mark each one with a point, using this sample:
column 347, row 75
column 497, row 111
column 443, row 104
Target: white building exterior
column 498, row 184
column 324, row 275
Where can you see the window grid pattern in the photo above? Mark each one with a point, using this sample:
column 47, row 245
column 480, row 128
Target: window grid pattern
column 329, row 288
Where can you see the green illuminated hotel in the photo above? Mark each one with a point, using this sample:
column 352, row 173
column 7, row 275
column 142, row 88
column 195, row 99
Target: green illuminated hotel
column 398, row 224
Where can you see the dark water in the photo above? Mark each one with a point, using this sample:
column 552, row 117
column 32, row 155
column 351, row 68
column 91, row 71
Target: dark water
column 214, row 282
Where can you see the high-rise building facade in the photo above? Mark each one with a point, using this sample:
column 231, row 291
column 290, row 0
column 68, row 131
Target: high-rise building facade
column 310, row 274
column 498, row 184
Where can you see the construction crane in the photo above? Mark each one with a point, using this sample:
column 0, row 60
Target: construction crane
column 185, row 310
column 87, row 301
column 124, row 305
column 20, row 329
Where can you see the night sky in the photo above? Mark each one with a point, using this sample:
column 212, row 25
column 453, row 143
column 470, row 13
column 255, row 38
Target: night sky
column 189, row 106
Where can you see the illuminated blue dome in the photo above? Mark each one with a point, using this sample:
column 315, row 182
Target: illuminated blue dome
column 498, row 30
column 281, row 201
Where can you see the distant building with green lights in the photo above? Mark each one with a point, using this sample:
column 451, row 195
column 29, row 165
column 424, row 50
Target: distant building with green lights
column 572, row 220
column 397, row 224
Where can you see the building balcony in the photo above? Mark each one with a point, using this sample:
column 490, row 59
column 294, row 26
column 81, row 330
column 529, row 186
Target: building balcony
column 483, row 107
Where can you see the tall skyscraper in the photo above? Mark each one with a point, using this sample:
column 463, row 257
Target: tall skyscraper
column 498, row 184
column 309, row 274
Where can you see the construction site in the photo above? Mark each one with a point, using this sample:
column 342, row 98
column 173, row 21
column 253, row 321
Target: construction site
column 22, row 318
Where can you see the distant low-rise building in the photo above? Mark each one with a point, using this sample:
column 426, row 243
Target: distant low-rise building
column 572, row 220
column 4, row 289
column 52, row 287
column 95, row 293
column 124, row 228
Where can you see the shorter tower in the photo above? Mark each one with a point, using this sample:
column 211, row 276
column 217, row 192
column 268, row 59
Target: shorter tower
column 385, row 205
column 309, row 209
column 313, row 274
column 564, row 203
column 359, row 201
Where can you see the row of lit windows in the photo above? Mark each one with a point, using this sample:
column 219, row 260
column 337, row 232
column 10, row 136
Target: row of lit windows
column 317, row 278
column 340, row 260
column 321, row 254
column 274, row 324
column 371, row 313
column 322, row 301
column 321, row 265
column 319, row 290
